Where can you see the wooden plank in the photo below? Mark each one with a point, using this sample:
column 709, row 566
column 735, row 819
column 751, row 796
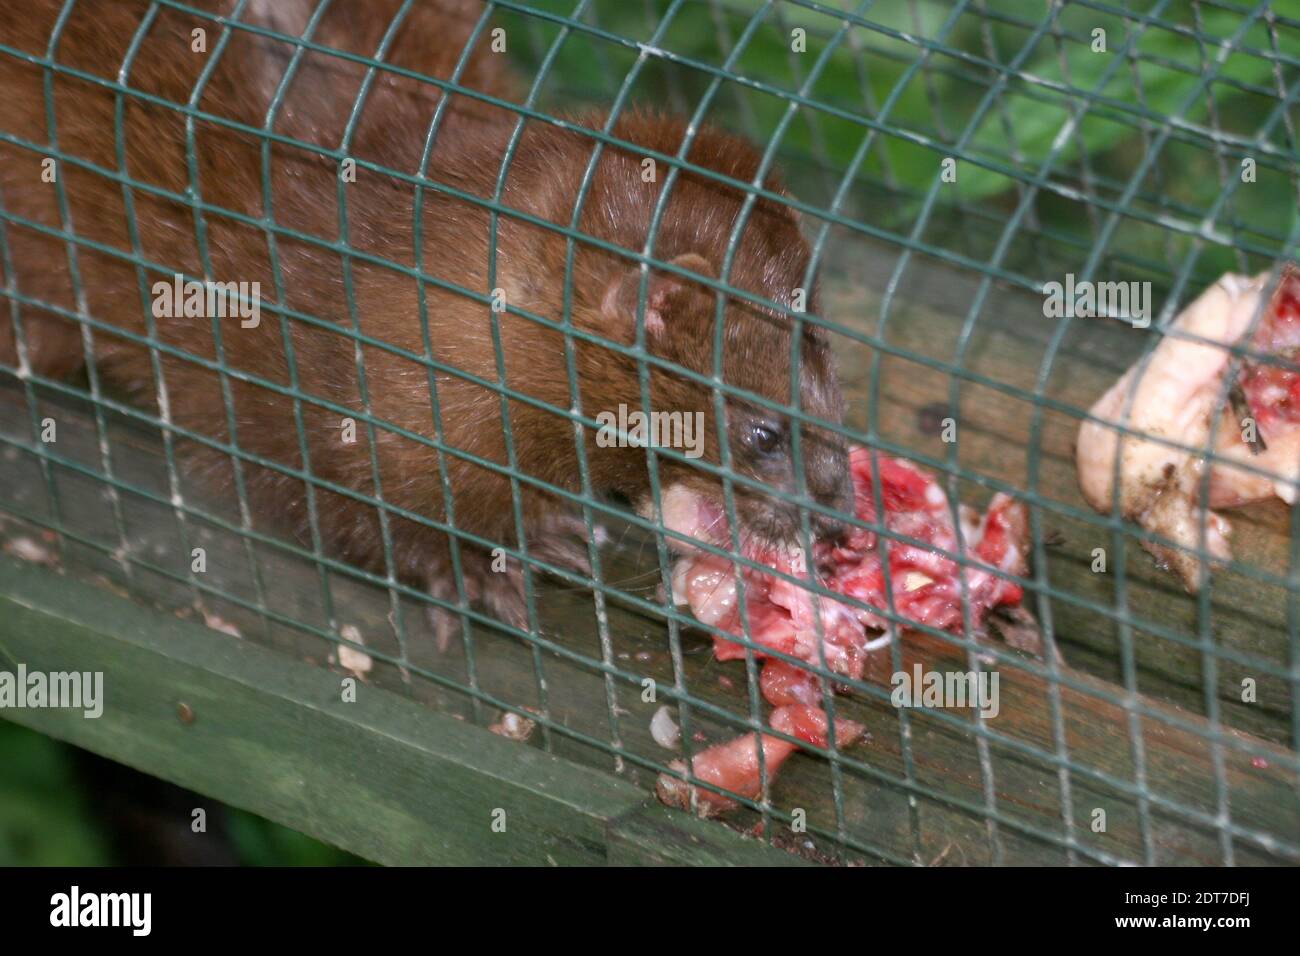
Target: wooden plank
column 382, row 777
column 653, row 835
column 1097, row 743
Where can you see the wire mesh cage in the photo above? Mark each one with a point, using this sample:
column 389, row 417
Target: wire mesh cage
column 948, row 166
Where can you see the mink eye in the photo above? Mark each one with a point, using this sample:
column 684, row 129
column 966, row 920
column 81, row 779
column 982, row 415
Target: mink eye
column 762, row 438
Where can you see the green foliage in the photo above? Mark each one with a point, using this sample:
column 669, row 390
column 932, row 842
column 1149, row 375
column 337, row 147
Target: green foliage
column 43, row 819
column 1066, row 111
column 260, row 842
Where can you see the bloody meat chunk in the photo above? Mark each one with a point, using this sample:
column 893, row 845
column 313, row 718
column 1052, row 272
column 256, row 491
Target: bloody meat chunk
column 1177, row 393
column 926, row 585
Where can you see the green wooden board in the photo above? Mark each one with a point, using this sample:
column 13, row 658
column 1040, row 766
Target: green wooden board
column 382, row 777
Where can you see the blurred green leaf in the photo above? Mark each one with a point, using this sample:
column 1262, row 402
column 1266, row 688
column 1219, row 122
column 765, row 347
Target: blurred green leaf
column 1037, row 124
column 259, row 842
column 44, row 819
column 42, row 816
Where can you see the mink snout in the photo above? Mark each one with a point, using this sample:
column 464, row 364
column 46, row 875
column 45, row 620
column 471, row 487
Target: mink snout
column 830, row 484
column 779, row 522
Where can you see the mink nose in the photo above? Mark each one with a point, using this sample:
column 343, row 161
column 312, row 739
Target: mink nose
column 832, row 487
column 828, row 528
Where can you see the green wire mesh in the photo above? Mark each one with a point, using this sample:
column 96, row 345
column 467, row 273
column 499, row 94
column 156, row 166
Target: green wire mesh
column 1123, row 166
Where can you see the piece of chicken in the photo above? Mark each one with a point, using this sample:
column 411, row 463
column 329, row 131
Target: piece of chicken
column 1174, row 394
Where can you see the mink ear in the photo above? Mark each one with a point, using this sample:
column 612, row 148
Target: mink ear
column 620, row 300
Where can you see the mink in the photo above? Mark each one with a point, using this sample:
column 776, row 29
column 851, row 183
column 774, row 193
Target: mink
column 369, row 269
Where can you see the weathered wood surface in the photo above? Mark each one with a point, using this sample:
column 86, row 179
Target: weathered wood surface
column 1113, row 761
column 378, row 775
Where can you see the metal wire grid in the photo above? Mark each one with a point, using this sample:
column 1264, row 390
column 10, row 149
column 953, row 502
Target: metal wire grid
column 1106, row 202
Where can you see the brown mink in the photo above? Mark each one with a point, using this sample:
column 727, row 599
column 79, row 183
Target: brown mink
column 347, row 253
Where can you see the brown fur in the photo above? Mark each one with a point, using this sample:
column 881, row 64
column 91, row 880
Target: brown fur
column 543, row 181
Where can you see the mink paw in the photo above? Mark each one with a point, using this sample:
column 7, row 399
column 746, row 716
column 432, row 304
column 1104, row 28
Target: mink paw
column 492, row 586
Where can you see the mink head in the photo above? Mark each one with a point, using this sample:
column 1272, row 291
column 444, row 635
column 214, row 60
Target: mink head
column 770, row 360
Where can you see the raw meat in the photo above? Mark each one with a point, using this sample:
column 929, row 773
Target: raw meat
column 926, row 588
column 1174, row 395
column 733, row 765
column 925, row 585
